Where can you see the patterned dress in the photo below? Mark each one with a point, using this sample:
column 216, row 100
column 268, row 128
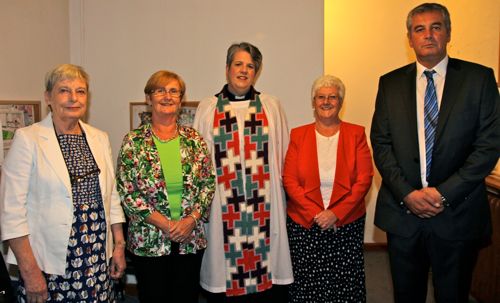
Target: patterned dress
column 87, row 275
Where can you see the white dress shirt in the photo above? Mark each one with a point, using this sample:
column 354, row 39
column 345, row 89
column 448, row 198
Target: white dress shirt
column 439, row 78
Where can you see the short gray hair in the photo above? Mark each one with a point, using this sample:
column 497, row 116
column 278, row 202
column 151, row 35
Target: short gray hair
column 429, row 7
column 328, row 81
column 65, row 72
column 247, row 47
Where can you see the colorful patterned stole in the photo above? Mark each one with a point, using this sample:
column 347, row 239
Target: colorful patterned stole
column 245, row 213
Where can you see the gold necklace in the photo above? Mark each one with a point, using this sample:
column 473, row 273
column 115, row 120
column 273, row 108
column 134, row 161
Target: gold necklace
column 176, row 133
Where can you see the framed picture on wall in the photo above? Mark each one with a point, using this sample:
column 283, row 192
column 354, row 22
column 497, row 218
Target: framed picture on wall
column 14, row 115
column 188, row 110
column 140, row 113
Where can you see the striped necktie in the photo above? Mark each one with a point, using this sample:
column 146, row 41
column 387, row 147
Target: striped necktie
column 430, row 118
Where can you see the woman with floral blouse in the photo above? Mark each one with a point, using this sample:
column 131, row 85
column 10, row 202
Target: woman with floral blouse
column 166, row 183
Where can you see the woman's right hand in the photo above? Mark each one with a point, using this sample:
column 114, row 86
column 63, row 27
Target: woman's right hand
column 181, row 230
column 36, row 286
column 34, row 281
column 326, row 219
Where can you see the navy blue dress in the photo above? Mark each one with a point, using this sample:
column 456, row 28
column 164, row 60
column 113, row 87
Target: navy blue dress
column 87, row 274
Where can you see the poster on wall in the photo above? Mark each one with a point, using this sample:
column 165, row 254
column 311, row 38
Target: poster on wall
column 140, row 113
column 14, row 115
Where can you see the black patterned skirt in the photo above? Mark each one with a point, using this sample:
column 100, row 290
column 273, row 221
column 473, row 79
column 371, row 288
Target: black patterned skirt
column 328, row 266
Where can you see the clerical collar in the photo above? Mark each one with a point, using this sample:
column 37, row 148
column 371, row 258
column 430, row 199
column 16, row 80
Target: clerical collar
column 250, row 95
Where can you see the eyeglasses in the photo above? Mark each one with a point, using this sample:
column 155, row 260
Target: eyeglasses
column 161, row 92
column 78, row 178
column 330, row 98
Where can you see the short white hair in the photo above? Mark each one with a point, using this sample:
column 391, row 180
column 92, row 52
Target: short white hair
column 328, row 81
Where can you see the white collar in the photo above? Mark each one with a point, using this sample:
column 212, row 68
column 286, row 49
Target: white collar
column 440, row 68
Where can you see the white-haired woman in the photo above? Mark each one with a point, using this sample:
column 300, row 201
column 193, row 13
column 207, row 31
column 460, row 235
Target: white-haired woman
column 328, row 171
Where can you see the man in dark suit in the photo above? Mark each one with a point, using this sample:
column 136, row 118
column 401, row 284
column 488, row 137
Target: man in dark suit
column 435, row 137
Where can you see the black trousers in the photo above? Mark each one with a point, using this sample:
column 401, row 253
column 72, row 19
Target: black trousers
column 451, row 262
column 172, row 278
column 6, row 292
column 276, row 294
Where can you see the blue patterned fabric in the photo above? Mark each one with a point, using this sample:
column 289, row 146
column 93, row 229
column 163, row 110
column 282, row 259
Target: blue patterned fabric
column 430, row 118
column 87, row 275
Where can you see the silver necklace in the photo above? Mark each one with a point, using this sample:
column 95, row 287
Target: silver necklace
column 176, row 133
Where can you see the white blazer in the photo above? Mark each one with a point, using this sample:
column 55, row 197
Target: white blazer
column 36, row 197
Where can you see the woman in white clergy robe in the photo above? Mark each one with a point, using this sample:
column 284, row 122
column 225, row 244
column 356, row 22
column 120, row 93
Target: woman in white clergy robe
column 59, row 208
column 247, row 257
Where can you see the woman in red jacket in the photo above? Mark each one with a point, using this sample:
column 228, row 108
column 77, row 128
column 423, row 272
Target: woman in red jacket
column 328, row 171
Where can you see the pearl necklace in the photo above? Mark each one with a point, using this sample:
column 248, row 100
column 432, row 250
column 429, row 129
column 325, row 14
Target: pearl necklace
column 176, row 133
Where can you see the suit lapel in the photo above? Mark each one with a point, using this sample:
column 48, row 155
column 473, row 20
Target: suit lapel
column 450, row 94
column 151, row 154
column 342, row 183
column 312, row 182
column 409, row 100
column 52, row 152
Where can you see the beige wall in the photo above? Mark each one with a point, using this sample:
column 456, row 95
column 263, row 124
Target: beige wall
column 34, row 37
column 365, row 39
column 122, row 45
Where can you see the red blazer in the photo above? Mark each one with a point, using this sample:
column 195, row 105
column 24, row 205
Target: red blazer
column 353, row 175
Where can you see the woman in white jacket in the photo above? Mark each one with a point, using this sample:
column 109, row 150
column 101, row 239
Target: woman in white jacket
column 59, row 208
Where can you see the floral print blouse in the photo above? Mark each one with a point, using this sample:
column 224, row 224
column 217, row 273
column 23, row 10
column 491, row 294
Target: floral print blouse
column 143, row 190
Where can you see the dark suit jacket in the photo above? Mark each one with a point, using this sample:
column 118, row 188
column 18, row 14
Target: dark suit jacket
column 466, row 150
column 353, row 175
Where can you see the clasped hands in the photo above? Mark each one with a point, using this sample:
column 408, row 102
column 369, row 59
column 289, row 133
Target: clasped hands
column 326, row 219
column 424, row 203
column 180, row 231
